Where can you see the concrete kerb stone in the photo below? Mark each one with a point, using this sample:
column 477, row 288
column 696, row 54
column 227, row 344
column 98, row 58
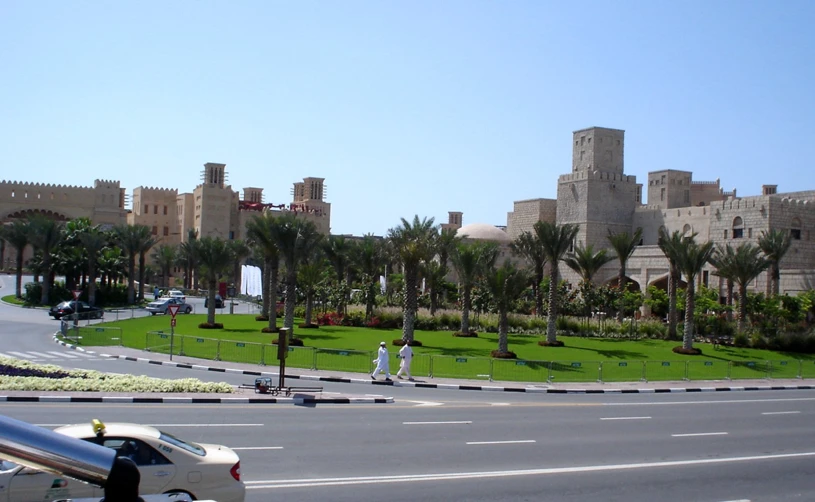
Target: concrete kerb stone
column 530, row 388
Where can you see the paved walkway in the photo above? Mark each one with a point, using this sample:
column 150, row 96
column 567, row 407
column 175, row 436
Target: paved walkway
column 448, row 383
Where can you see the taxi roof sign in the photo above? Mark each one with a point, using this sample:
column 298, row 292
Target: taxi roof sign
column 173, row 309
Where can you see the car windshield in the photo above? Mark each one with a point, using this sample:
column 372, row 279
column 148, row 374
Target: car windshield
column 185, row 445
column 5, row 465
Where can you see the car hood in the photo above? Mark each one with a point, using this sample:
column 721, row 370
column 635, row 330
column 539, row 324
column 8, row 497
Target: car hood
column 155, row 304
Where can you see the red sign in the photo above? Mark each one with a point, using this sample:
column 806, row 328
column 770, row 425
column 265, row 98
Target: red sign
column 172, row 322
column 173, row 309
column 77, row 293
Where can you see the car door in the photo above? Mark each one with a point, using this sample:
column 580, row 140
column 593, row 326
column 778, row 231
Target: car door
column 30, row 485
column 157, row 472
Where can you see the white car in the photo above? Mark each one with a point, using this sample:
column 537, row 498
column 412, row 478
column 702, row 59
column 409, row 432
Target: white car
column 166, row 464
column 174, row 293
column 161, row 306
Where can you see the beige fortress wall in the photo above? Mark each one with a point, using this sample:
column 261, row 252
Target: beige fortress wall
column 669, row 188
column 684, row 219
column 103, row 203
column 525, row 213
column 157, row 209
column 704, row 193
column 213, row 210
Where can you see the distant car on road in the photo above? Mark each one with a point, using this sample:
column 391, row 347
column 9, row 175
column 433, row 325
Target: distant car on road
column 219, row 302
column 66, row 309
column 174, row 293
column 162, row 306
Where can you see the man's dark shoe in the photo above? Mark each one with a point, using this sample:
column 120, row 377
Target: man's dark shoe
column 388, row 380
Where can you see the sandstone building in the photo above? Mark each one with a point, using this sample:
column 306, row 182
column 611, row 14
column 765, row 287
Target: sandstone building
column 213, row 208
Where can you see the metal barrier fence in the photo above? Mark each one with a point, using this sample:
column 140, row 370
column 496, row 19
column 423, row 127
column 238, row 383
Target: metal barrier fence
column 440, row 366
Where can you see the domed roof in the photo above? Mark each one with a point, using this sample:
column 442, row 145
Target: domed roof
column 483, row 232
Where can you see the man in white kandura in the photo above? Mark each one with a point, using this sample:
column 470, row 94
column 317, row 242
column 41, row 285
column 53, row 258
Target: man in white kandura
column 406, row 355
column 382, row 363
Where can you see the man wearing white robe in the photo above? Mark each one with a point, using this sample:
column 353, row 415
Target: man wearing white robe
column 406, row 355
column 382, row 363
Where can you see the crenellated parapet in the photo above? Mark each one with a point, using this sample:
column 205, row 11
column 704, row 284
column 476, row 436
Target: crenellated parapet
column 597, row 175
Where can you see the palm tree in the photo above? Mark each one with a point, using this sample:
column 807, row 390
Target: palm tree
column 413, row 243
column 434, row 275
column 146, row 243
column 214, row 260
column 691, row 258
column 165, row 256
column 132, row 239
column 743, row 265
column 93, row 241
column 471, row 261
column 671, row 244
column 260, row 234
column 295, row 238
column 528, row 246
column 555, row 240
column 187, row 258
column 309, row 277
column 45, row 236
column 586, row 262
column 624, row 245
column 446, row 243
column 505, row 285
column 723, row 260
column 111, row 265
column 17, row 234
column 240, row 251
column 775, row 245
column 370, row 260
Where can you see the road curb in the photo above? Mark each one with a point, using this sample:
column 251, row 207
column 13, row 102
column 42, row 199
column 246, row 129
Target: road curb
column 447, row 386
column 194, row 400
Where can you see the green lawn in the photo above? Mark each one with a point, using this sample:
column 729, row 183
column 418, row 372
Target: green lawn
column 12, row 299
column 442, row 355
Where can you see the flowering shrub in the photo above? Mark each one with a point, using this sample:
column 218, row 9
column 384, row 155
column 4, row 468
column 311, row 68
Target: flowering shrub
column 329, row 319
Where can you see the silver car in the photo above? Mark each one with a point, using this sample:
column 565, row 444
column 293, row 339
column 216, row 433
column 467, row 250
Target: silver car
column 162, row 305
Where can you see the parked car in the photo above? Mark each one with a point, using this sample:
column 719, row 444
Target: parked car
column 86, row 311
column 219, row 302
column 162, row 306
column 166, row 464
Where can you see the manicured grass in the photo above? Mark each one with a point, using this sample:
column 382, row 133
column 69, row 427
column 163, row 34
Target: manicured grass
column 13, row 300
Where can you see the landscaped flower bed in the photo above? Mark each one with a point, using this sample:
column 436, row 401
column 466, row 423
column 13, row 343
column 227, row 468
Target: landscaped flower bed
column 16, row 374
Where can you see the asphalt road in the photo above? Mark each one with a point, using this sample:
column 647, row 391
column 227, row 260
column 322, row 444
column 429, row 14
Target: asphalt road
column 456, row 445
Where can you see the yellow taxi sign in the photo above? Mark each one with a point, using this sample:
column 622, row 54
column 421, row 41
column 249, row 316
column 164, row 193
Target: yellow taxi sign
column 98, row 426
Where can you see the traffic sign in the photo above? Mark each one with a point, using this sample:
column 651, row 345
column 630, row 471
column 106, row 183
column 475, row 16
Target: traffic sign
column 172, row 322
column 173, row 309
column 77, row 293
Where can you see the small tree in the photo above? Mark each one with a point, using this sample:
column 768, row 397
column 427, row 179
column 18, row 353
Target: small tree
column 505, row 285
column 692, row 258
column 215, row 261
column 555, row 241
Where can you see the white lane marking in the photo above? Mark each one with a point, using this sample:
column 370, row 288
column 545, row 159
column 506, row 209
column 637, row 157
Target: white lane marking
column 256, row 448
column 18, row 355
column 781, row 412
column 206, row 425
column 62, row 354
column 699, row 434
column 425, row 403
column 502, row 442
column 83, row 354
column 626, row 418
column 40, row 354
column 439, row 423
column 723, row 401
column 412, row 478
column 499, row 404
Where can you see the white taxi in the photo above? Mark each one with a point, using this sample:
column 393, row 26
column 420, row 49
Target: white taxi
column 166, row 463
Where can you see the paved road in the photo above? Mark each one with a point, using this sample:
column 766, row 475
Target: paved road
column 746, row 449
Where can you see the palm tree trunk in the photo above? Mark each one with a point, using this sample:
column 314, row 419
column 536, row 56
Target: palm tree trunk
column 211, row 301
column 536, row 289
column 92, row 282
column 141, row 276
column 730, row 300
column 466, row 305
column 621, row 288
column 742, row 308
column 266, row 285
column 503, row 328
column 19, row 279
column 308, row 308
column 690, row 304
column 776, row 278
column 46, row 283
column 272, row 309
column 369, row 301
column 411, row 276
column 291, row 298
column 551, row 321
column 131, row 280
column 673, row 285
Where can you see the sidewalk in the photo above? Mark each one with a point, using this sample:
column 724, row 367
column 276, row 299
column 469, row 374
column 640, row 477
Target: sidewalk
column 448, row 383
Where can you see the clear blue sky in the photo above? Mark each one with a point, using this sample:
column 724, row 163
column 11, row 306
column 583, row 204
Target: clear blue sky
column 404, row 107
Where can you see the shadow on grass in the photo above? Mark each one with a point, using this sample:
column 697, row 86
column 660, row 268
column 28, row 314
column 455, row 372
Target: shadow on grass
column 459, row 351
column 613, row 354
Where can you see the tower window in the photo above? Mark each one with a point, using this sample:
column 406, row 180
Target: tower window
column 738, row 227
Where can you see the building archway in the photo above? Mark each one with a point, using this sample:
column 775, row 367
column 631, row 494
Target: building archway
column 630, row 284
column 28, row 213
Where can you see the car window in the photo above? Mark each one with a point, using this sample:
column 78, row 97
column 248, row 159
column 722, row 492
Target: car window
column 184, row 445
column 136, row 450
column 5, row 466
